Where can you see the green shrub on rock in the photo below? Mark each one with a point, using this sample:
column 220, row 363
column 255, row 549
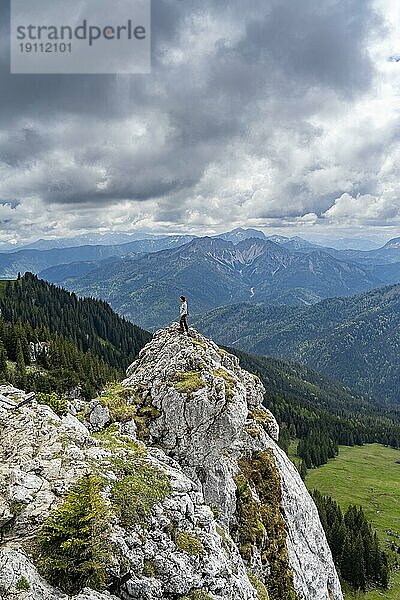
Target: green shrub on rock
column 189, row 543
column 126, row 404
column 57, row 403
column 23, row 584
column 73, row 547
column 198, row 594
column 188, row 382
column 115, row 397
column 134, row 496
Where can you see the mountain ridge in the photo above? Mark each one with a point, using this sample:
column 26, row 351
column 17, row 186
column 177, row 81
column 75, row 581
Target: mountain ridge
column 341, row 337
column 253, row 269
column 215, row 528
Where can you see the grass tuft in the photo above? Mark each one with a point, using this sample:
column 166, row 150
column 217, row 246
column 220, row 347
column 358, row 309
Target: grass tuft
column 188, row 382
column 23, row 584
column 189, row 543
column 230, row 383
column 134, row 496
column 116, row 398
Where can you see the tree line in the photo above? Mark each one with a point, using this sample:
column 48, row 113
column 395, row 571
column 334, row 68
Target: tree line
column 89, row 323
column 84, row 342
column 60, row 366
column 355, row 547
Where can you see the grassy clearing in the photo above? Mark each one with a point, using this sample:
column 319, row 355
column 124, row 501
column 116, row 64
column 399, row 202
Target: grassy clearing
column 368, row 476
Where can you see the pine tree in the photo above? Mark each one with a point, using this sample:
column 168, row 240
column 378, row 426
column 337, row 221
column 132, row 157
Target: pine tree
column 73, row 544
column 303, row 470
column 3, row 363
column 358, row 576
column 20, row 368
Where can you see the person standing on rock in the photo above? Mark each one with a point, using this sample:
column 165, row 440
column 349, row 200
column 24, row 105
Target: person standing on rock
column 183, row 314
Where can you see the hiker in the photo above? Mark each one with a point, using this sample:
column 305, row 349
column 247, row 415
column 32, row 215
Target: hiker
column 183, row 313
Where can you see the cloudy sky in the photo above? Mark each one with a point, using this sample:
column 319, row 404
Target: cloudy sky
column 276, row 114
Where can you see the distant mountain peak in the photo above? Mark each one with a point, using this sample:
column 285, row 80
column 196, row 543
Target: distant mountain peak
column 394, row 243
column 241, row 233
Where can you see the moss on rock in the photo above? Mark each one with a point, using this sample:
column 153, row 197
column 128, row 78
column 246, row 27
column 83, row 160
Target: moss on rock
column 198, row 343
column 189, row 543
column 254, row 432
column 141, row 487
column 258, row 585
column 127, row 404
column 198, row 594
column 230, row 383
column 261, row 417
column 148, row 568
column 260, row 522
column 226, row 542
column 17, row 507
column 116, row 398
column 249, row 530
column 113, row 440
column 188, row 382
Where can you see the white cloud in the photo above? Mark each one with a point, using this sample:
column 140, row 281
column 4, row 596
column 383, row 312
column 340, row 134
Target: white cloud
column 242, row 122
column 364, row 209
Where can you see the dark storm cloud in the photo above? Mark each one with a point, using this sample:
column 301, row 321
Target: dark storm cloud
column 22, row 146
column 295, row 39
column 229, row 80
column 315, row 44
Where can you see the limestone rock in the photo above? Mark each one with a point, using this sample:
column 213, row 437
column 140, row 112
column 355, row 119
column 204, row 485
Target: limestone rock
column 97, row 416
column 201, row 420
column 43, row 455
column 20, row 580
column 211, row 417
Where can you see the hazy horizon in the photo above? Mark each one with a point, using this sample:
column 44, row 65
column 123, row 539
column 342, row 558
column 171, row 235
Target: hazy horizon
column 341, row 242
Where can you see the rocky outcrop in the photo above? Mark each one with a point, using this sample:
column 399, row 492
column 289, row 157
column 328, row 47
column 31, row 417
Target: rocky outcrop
column 200, row 502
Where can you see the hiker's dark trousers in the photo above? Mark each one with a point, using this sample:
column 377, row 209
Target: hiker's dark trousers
column 183, row 323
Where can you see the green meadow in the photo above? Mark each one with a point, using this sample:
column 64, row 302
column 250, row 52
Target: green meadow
column 368, row 476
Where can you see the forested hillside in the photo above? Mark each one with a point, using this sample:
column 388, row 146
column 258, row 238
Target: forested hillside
column 355, row 546
column 353, row 340
column 54, row 365
column 90, row 324
column 319, row 411
column 52, row 341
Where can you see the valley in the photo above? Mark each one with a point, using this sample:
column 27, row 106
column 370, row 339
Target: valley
column 243, row 265
column 368, row 476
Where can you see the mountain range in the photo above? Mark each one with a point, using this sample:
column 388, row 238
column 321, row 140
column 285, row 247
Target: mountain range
column 225, row 270
column 355, row 340
column 39, row 258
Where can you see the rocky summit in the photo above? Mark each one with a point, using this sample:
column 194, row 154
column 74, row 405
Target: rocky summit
column 170, row 485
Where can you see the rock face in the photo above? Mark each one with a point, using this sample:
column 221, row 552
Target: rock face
column 223, row 512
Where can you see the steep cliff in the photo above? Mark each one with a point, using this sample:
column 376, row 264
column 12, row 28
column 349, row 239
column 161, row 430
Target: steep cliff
column 170, row 485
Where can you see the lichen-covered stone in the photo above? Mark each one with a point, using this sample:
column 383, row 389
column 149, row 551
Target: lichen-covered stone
column 42, row 456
